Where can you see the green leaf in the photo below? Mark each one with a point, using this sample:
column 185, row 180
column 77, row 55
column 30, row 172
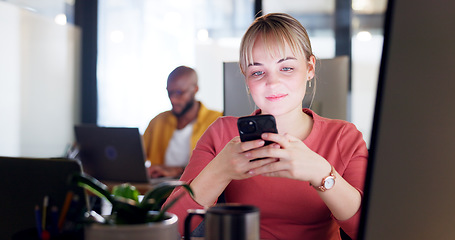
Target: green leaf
column 126, row 190
column 161, row 216
column 127, row 213
column 125, row 206
column 154, row 199
column 93, row 185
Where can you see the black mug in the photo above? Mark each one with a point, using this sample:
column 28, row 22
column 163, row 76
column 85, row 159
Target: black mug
column 227, row 222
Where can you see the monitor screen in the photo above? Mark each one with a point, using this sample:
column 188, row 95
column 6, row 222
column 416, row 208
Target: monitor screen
column 409, row 192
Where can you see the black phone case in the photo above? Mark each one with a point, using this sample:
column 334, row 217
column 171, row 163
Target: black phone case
column 251, row 127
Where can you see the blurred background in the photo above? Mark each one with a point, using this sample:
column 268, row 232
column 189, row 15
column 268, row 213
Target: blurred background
column 65, row 62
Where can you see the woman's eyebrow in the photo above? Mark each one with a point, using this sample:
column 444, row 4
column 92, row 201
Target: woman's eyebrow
column 279, row 61
column 255, row 64
column 286, row 58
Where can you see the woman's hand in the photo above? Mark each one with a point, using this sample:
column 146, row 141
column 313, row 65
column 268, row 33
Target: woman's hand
column 296, row 160
column 234, row 161
column 231, row 163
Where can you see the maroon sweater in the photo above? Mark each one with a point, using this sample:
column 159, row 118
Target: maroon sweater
column 289, row 209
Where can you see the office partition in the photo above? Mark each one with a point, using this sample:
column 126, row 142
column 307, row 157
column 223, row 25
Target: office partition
column 327, row 96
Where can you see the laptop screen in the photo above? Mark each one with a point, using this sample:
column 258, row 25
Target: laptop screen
column 112, row 153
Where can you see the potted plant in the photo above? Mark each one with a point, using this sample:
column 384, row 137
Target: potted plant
column 131, row 218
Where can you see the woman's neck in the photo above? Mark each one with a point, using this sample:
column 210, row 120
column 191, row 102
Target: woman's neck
column 297, row 123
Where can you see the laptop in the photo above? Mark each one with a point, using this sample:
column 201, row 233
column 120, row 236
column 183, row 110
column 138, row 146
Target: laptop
column 112, row 153
column 26, row 182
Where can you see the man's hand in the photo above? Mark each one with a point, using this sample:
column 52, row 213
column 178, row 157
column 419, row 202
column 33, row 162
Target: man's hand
column 157, row 171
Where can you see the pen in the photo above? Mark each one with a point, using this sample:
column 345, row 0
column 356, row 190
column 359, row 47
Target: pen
column 45, row 203
column 54, row 220
column 66, row 205
column 38, row 221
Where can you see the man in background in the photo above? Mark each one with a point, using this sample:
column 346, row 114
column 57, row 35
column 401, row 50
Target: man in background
column 172, row 135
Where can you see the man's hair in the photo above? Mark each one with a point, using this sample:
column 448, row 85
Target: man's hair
column 180, row 71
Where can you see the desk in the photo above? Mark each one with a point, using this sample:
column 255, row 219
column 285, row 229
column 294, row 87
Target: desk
column 141, row 187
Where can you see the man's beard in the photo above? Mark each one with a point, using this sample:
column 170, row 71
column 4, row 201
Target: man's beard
column 187, row 107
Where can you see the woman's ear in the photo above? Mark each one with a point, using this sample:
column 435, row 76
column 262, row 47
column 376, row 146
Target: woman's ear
column 311, row 67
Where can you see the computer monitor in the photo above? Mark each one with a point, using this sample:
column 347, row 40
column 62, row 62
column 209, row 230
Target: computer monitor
column 26, row 182
column 409, row 192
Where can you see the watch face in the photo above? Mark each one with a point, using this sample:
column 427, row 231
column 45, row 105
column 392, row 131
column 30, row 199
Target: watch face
column 329, row 182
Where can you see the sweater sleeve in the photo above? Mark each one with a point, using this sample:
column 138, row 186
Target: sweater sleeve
column 157, row 136
column 354, row 152
column 204, row 152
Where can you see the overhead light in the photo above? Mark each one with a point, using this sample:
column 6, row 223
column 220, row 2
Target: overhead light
column 29, row 9
column 203, row 35
column 60, row 19
column 364, row 36
column 360, row 5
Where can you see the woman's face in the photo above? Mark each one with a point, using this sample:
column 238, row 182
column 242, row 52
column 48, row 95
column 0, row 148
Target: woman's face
column 278, row 84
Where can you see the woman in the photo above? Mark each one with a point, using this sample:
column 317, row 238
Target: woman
column 311, row 181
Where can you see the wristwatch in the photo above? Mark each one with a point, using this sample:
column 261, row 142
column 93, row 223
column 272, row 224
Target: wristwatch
column 327, row 182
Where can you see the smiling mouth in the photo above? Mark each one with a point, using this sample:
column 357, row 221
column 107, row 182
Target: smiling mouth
column 276, row 97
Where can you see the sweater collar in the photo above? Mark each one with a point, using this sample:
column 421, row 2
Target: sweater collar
column 316, row 122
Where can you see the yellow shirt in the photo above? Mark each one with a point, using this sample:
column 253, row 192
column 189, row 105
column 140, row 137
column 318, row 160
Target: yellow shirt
column 161, row 128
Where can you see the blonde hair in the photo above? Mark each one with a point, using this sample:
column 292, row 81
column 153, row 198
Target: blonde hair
column 275, row 29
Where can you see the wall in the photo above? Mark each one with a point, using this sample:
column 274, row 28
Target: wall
column 39, row 101
column 9, row 79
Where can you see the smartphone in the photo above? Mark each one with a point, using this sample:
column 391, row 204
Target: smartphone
column 251, row 127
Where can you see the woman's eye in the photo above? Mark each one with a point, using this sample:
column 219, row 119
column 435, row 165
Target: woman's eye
column 287, row 69
column 258, row 73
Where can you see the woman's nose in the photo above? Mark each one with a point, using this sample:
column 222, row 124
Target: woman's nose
column 272, row 79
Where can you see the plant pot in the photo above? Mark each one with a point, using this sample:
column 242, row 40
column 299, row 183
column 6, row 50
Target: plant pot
column 164, row 230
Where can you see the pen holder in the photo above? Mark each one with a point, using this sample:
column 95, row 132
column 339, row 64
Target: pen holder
column 163, row 230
